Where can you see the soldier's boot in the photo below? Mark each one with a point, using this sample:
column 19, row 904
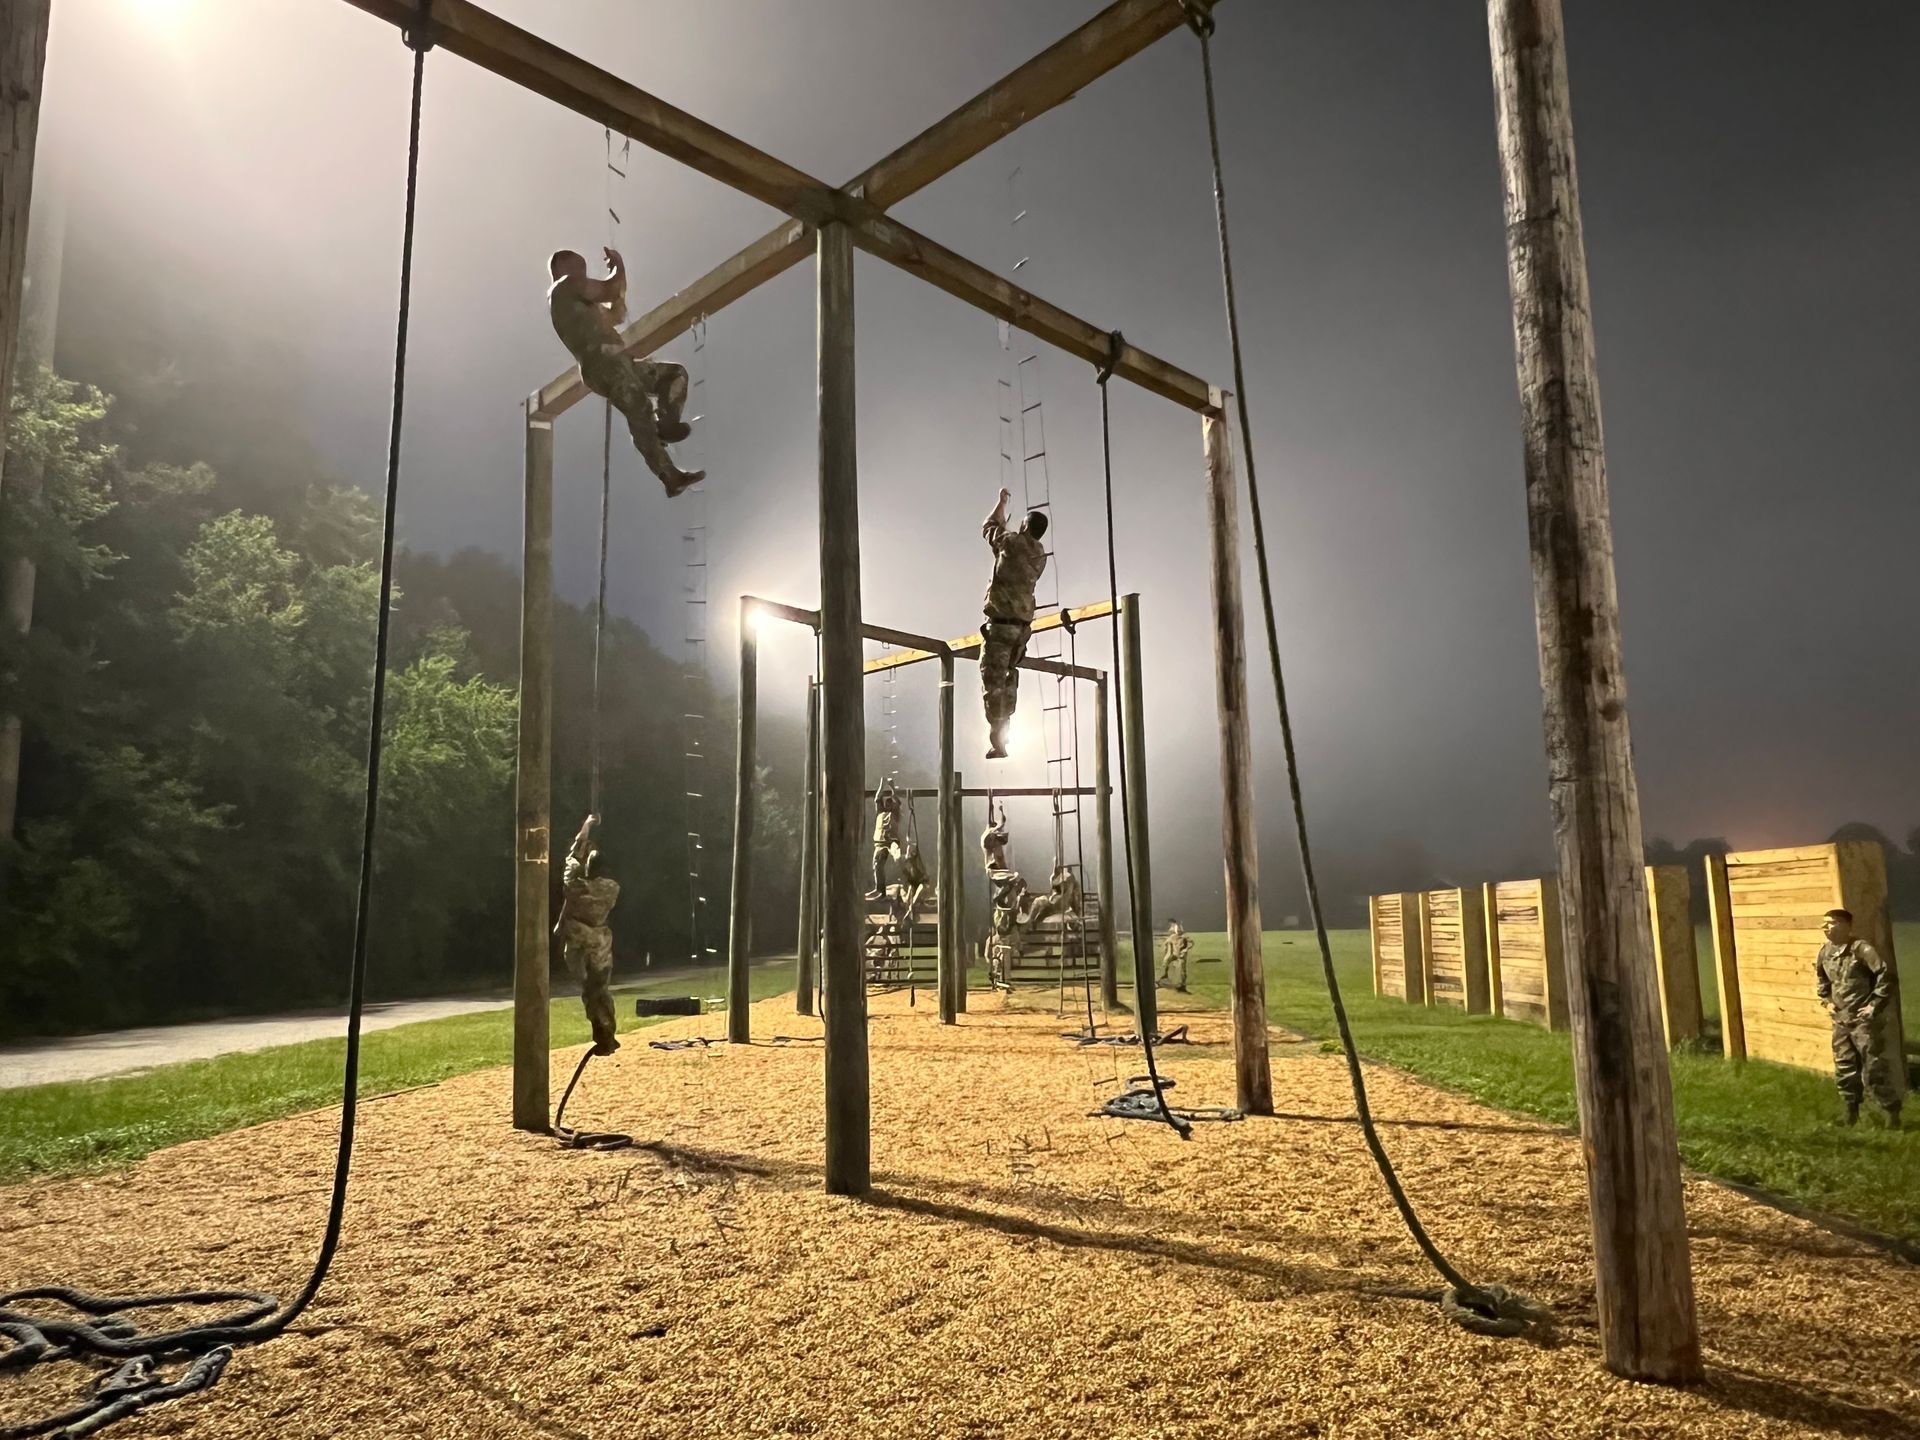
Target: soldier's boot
column 1852, row 1115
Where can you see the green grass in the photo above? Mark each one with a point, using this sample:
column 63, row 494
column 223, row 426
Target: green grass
column 84, row 1124
column 1756, row 1123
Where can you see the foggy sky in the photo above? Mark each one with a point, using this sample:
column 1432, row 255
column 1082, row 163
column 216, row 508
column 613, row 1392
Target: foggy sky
column 1750, row 175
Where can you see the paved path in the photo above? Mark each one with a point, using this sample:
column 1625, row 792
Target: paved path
column 83, row 1057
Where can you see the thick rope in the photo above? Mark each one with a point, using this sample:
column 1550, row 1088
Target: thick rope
column 1185, row 1130
column 1492, row 1303
column 571, row 1139
column 261, row 1317
column 600, row 610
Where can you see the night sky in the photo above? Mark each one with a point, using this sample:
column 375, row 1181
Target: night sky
column 1750, row 175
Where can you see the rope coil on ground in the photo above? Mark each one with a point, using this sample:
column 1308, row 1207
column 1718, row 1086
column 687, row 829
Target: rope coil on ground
column 571, row 1139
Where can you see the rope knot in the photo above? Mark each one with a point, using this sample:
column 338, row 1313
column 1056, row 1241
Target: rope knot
column 1199, row 15
column 424, row 32
column 1116, row 342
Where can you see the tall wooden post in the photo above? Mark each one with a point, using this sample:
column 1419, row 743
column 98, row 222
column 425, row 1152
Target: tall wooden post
column 1726, row 960
column 1103, row 782
column 962, row 956
column 1133, row 736
column 947, row 869
column 533, row 799
column 805, row 945
column 1253, row 1076
column 843, row 708
column 740, row 898
column 1643, row 1273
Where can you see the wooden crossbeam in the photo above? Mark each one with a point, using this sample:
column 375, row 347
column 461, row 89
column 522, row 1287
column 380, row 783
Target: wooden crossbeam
column 1052, row 77
column 967, row 647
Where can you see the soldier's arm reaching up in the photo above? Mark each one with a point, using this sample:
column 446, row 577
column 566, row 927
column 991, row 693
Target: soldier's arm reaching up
column 994, row 531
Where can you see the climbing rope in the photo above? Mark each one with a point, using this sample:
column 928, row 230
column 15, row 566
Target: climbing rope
column 1490, row 1304
column 1115, row 342
column 109, row 1333
column 571, row 1139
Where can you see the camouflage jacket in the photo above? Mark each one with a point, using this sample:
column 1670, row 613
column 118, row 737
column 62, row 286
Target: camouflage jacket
column 1018, row 560
column 589, row 901
column 584, row 326
column 1852, row 976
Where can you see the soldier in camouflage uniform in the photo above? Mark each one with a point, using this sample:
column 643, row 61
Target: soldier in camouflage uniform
column 1856, row 986
column 1174, row 954
column 1018, row 560
column 914, row 879
column 886, row 836
column 586, row 944
column 586, row 315
column 993, row 841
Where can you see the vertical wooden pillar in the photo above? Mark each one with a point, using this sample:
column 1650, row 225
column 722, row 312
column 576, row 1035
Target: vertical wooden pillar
column 962, row 956
column 806, row 942
column 533, row 798
column 1676, row 958
column 1133, row 745
column 1103, row 782
column 1490, row 900
column 1253, row 1076
column 1726, row 963
column 843, row 726
column 745, row 771
column 948, row 868
column 1643, row 1272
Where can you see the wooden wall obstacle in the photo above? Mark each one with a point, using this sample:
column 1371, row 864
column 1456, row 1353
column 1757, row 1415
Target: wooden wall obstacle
column 1775, row 903
column 1524, row 942
column 1676, row 957
column 1453, row 937
column 1399, row 964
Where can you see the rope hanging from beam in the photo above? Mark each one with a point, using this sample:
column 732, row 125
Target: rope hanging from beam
column 107, row 1332
column 1494, row 1308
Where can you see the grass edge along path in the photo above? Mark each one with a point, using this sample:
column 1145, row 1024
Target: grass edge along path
column 70, row 1126
column 1765, row 1126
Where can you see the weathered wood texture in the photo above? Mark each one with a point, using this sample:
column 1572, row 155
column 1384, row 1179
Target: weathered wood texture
column 843, row 729
column 1490, row 930
column 1779, row 899
column 1453, row 938
column 1643, row 1273
column 947, row 893
column 1399, row 964
column 23, row 64
column 533, row 824
column 1133, row 730
column 1676, row 956
column 806, row 945
column 1103, row 875
column 1726, row 967
column 1524, row 933
column 1052, row 77
column 745, row 771
column 1240, row 858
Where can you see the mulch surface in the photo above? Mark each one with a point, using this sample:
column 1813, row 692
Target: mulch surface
column 1022, row 1268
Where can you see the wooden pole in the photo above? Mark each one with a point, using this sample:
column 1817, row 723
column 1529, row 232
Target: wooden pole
column 740, row 900
column 806, row 944
column 962, row 956
column 1643, row 1272
column 948, row 869
column 843, row 726
column 1103, row 788
column 1253, row 1075
column 23, row 65
column 1726, row 962
column 533, row 800
column 1133, row 730
column 1490, row 900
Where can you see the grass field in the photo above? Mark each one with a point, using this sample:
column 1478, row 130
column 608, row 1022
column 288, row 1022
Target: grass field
column 1755, row 1123
column 76, row 1125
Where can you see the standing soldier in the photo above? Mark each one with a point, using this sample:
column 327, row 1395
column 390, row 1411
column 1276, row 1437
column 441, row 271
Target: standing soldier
column 1018, row 560
column 1856, row 986
column 585, row 941
column 1174, row 955
column 886, row 834
column 586, row 315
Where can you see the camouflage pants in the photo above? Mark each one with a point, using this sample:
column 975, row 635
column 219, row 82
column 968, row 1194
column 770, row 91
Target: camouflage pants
column 1003, row 647
column 1859, row 1052
column 882, row 852
column 1173, row 967
column 650, row 393
column 588, row 951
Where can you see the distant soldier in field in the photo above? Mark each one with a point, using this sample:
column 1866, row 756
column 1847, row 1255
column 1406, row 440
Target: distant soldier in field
column 1174, row 954
column 1856, row 986
column 651, row 394
column 993, row 841
column 886, row 835
column 586, row 943
column 1018, row 560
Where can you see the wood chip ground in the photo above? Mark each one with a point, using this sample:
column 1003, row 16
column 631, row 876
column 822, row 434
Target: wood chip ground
column 1022, row 1269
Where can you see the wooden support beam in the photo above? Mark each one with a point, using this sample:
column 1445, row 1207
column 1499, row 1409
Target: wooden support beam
column 1253, row 1074
column 806, row 943
column 1103, row 789
column 1642, row 1268
column 1133, row 749
column 843, row 729
column 967, row 647
column 533, row 822
column 1726, row 961
column 1052, row 77
column 740, row 901
column 958, row 881
column 948, row 867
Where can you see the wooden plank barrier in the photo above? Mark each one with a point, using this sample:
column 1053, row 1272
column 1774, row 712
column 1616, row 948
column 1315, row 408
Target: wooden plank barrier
column 1399, row 965
column 1676, row 958
column 1453, row 937
column 1524, row 943
column 1777, row 901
